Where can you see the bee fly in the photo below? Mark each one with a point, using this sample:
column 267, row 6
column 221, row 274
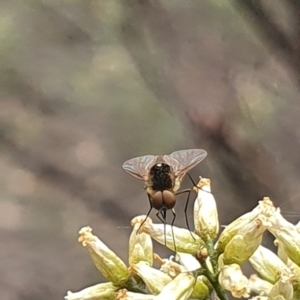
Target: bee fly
column 162, row 176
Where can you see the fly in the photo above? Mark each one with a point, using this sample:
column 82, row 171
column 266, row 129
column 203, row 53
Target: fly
column 162, row 175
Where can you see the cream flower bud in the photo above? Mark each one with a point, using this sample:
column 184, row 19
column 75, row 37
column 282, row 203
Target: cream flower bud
column 183, row 239
column 105, row 291
column 283, row 287
column 264, row 208
column 106, row 261
column 201, row 290
column 298, row 226
column 180, row 288
column 126, row 295
column 140, row 244
column 188, row 261
column 154, row 279
column 233, row 280
column 287, row 236
column 242, row 246
column 280, row 252
column 205, row 211
column 296, row 278
column 259, row 286
column 268, row 264
column 169, row 266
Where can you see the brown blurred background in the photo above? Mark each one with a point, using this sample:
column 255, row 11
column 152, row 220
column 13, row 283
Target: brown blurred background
column 86, row 85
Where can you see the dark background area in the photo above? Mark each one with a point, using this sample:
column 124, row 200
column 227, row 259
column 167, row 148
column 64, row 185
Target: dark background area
column 86, row 85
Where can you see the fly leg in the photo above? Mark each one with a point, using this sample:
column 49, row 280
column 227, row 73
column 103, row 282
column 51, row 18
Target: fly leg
column 148, row 213
column 186, row 207
column 173, row 220
column 161, row 215
column 192, row 180
column 195, row 185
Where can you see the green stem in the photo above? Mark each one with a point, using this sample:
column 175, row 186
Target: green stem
column 213, row 255
column 133, row 286
column 212, row 277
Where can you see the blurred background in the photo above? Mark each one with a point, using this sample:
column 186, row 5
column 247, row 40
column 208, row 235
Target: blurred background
column 86, row 85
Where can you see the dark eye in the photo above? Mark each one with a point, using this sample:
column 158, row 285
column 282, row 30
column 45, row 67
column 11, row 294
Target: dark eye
column 163, row 199
column 157, row 200
column 168, row 199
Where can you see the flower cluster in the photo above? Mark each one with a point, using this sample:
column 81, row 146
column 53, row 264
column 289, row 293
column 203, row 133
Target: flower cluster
column 207, row 264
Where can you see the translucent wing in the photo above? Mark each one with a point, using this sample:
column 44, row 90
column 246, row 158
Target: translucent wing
column 184, row 160
column 139, row 167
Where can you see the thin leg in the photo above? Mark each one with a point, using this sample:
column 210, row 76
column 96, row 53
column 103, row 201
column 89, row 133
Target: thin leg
column 195, row 185
column 174, row 217
column 186, row 204
column 148, row 213
column 192, row 180
column 161, row 215
column 186, row 207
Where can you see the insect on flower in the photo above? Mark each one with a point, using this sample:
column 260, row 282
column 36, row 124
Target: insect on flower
column 162, row 175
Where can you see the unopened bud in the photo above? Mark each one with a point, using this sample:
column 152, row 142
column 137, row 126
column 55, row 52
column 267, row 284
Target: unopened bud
column 99, row 291
column 243, row 245
column 154, row 279
column 287, row 236
column 205, row 211
column 188, row 261
column 169, row 266
column 106, row 261
column 126, row 295
column 284, row 288
column 180, row 288
column 268, row 264
column 264, row 208
column 233, row 280
column 201, row 289
column 259, row 286
column 140, row 244
column 183, row 239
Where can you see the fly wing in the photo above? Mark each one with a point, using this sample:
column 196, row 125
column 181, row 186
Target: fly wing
column 184, row 160
column 139, row 167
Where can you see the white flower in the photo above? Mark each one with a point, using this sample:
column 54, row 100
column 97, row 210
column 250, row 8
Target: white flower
column 268, row 264
column 244, row 243
column 188, row 261
column 98, row 291
column 283, row 287
column 106, row 261
column 154, row 279
column 259, row 286
column 205, row 211
column 183, row 239
column 169, row 266
column 233, row 280
column 264, row 210
column 126, row 295
column 140, row 244
column 201, row 289
column 287, row 236
column 180, row 288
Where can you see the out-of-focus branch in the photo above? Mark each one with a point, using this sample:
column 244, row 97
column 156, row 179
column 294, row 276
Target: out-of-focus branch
column 150, row 39
column 278, row 41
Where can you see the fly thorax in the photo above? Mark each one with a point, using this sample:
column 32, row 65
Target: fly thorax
column 161, row 177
